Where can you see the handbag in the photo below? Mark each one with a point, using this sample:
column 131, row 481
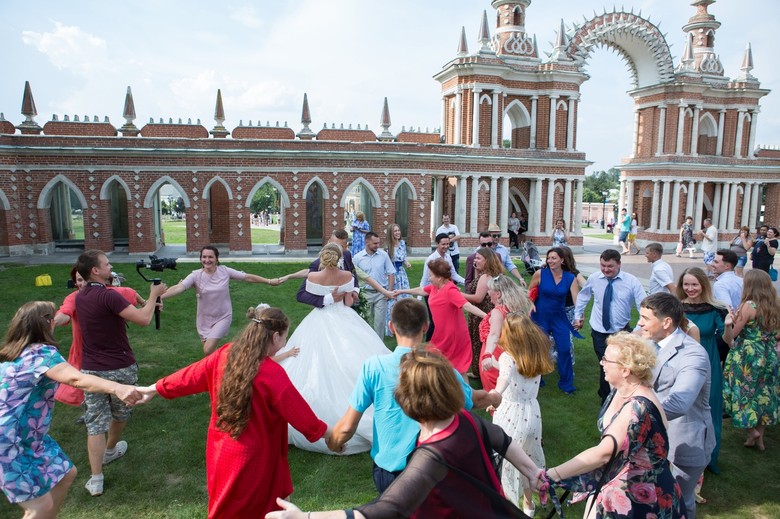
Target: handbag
column 772, row 273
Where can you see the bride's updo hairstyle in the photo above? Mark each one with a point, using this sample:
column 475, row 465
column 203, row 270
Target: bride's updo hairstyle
column 247, row 352
column 330, row 255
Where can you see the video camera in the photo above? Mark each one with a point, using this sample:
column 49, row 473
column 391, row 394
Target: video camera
column 156, row 265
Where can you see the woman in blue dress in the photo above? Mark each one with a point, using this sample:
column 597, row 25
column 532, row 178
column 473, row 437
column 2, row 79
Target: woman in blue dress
column 552, row 283
column 359, row 229
column 396, row 249
column 34, row 471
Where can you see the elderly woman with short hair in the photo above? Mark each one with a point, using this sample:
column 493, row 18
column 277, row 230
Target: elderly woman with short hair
column 639, row 480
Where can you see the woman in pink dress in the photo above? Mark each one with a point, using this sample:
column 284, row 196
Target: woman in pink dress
column 451, row 336
column 212, row 288
column 252, row 401
column 67, row 314
column 506, row 297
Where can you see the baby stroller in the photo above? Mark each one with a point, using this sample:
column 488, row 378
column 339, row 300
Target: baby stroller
column 531, row 257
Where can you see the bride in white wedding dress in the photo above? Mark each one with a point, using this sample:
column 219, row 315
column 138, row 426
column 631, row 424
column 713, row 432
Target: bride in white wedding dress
column 334, row 342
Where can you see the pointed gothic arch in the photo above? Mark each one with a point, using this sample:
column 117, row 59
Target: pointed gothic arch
column 116, row 191
column 707, row 125
column 207, row 187
column 151, row 193
column 321, row 183
column 4, row 205
column 405, row 181
column 514, row 195
column 518, row 114
column 105, row 189
column 638, row 41
column 44, row 199
column 283, row 197
column 360, row 181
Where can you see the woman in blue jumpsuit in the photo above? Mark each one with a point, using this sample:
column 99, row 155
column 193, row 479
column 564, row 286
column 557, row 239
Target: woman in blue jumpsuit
column 553, row 282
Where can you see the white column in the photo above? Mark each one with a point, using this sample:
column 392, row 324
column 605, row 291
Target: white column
column 475, row 119
column 724, row 207
column 695, row 131
column 740, row 128
column 567, row 204
column 458, row 117
column 716, row 201
column 578, row 209
column 661, row 130
column 664, row 201
column 689, row 202
column 680, row 128
column 538, row 208
column 438, row 203
column 746, row 194
column 534, row 105
column 551, row 133
column 732, row 214
column 504, row 205
column 494, row 127
column 444, row 112
column 622, row 194
column 654, row 213
column 752, row 138
column 534, row 203
column 675, row 206
column 493, row 200
column 721, row 122
column 570, row 125
column 550, row 200
column 629, row 195
column 635, row 140
column 755, row 204
column 460, row 204
column 473, row 223
column 697, row 215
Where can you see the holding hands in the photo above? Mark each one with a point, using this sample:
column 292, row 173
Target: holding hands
column 128, row 394
column 146, row 393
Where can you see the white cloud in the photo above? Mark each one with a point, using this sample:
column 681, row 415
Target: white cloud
column 69, row 47
column 247, row 16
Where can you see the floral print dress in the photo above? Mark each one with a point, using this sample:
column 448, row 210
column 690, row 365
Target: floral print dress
column 359, row 238
column 31, row 462
column 640, row 483
column 750, row 378
column 401, row 279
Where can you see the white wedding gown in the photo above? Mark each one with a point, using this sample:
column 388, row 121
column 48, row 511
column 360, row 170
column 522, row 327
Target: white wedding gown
column 334, row 343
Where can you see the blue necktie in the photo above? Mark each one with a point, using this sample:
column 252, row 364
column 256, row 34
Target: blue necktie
column 606, row 309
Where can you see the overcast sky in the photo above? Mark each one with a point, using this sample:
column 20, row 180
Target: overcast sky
column 80, row 56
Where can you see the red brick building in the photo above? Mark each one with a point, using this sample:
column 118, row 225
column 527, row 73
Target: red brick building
column 693, row 153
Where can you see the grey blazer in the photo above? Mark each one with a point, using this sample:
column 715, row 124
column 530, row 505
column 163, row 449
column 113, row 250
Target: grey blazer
column 682, row 382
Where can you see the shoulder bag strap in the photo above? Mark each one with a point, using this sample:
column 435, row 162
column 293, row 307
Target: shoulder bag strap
column 604, row 474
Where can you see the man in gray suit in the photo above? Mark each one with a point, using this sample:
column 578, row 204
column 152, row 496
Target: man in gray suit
column 682, row 382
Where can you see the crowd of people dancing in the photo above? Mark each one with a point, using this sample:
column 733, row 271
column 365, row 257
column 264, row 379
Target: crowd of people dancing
column 705, row 347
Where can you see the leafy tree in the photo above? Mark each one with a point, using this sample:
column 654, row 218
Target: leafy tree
column 265, row 199
column 600, row 182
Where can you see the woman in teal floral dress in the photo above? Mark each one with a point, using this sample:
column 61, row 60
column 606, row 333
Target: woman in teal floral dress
column 34, row 471
column 750, row 385
column 713, row 320
column 639, row 483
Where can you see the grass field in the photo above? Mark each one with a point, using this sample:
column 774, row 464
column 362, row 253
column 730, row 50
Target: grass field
column 175, row 233
column 163, row 473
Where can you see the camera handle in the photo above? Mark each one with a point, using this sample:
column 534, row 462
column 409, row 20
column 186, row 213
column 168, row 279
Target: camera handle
column 157, row 281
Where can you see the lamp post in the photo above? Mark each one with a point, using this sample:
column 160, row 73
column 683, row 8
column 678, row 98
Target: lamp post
column 604, row 209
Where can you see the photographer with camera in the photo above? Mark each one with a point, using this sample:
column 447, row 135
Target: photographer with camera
column 103, row 314
column 212, row 288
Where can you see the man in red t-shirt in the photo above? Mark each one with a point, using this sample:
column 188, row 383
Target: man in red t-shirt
column 107, row 354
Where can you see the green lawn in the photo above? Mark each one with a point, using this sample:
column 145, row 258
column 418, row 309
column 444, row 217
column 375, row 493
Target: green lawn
column 176, row 233
column 163, row 474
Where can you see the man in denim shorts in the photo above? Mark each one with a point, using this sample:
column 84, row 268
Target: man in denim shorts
column 107, row 354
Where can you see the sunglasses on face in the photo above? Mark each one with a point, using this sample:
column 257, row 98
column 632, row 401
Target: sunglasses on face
column 496, row 235
column 488, row 244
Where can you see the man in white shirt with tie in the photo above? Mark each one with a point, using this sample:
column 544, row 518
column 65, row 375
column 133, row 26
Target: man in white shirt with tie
column 613, row 292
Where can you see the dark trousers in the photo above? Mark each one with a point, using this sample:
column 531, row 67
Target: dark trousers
column 429, row 333
column 600, row 346
column 513, row 241
column 455, row 261
column 383, row 478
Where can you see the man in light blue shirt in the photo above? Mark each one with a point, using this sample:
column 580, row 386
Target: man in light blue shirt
column 503, row 253
column 395, row 434
column 728, row 286
column 377, row 264
column 613, row 292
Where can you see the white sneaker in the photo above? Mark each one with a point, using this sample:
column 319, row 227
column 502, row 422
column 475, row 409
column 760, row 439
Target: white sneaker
column 115, row 453
column 529, row 511
column 95, row 486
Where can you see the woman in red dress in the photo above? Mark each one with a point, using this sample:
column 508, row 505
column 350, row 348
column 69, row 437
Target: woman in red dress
column 451, row 335
column 253, row 401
